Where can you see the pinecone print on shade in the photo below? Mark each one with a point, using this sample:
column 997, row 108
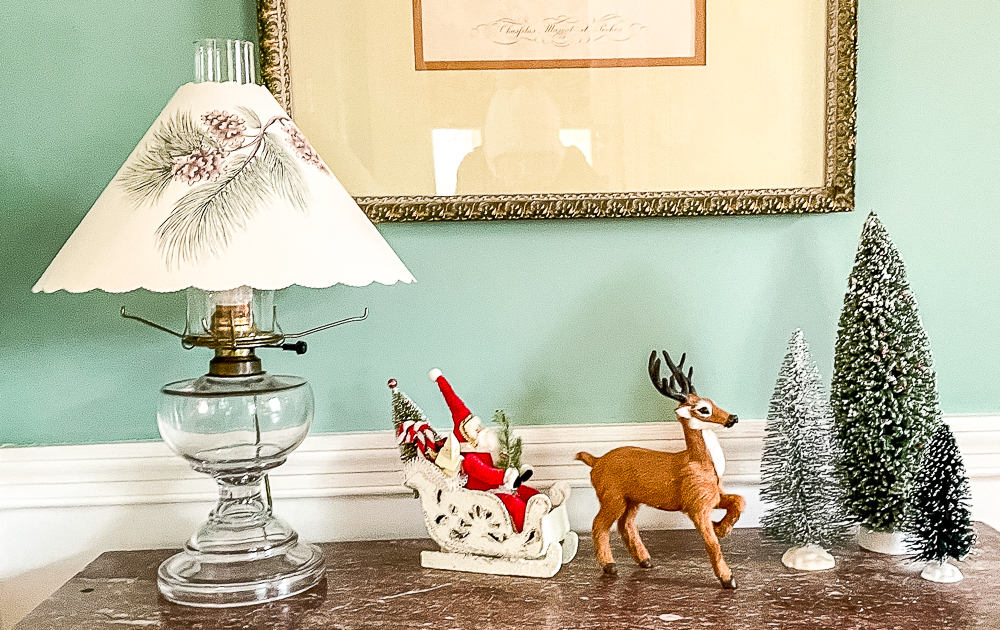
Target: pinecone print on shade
column 228, row 129
column 228, row 161
column 202, row 164
column 303, row 150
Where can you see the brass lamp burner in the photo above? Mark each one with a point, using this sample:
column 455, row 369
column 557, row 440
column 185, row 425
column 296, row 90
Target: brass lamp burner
column 234, row 337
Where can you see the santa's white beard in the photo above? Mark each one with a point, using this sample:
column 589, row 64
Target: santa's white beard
column 487, row 441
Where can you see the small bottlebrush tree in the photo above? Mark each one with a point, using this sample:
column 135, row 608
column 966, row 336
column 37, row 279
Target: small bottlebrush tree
column 414, row 435
column 797, row 467
column 510, row 446
column 883, row 391
column 942, row 525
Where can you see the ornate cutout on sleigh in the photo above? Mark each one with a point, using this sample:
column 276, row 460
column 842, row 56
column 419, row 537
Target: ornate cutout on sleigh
column 476, row 533
column 473, row 527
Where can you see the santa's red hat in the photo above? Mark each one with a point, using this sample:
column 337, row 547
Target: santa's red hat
column 459, row 412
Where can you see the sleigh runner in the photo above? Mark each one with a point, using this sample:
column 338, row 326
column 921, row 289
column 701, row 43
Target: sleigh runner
column 474, row 528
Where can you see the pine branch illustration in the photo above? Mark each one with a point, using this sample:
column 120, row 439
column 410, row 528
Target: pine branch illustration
column 204, row 220
column 287, row 179
column 147, row 178
column 249, row 115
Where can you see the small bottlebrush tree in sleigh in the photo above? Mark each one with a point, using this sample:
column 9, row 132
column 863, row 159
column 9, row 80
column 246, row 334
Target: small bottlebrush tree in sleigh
column 482, row 516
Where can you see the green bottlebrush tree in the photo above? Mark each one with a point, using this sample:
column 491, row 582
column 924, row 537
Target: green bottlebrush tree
column 797, row 467
column 942, row 525
column 510, row 447
column 414, row 435
column 883, row 391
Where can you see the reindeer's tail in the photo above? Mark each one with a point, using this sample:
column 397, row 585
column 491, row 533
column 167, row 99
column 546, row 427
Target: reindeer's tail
column 586, row 458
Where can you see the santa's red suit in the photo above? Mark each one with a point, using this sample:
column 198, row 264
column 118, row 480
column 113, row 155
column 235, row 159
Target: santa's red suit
column 477, row 461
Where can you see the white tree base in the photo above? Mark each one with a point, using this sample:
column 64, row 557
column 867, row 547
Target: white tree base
column 890, row 543
column 941, row 572
column 808, row 558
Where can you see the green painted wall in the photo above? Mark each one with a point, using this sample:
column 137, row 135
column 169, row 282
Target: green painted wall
column 552, row 321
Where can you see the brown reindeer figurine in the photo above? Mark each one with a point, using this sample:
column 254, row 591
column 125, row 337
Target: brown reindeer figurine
column 688, row 481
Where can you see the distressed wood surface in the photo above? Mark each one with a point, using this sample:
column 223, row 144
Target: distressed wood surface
column 380, row 584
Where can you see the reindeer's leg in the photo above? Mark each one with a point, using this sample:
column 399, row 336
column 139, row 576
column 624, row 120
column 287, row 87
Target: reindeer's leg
column 703, row 522
column 611, row 509
column 630, row 534
column 733, row 504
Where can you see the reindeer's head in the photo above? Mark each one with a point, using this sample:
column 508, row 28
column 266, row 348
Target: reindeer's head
column 693, row 410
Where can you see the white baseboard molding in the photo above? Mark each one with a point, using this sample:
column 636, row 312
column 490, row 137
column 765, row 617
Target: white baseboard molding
column 367, row 464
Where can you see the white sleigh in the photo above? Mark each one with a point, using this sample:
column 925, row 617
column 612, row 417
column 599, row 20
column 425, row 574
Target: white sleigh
column 475, row 532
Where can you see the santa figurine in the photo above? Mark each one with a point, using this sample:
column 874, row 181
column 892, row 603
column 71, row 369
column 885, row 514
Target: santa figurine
column 469, row 449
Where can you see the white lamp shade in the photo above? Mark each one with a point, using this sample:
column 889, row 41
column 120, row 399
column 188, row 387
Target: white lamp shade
column 223, row 191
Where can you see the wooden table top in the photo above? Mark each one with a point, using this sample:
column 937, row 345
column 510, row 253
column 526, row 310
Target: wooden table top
column 380, row 584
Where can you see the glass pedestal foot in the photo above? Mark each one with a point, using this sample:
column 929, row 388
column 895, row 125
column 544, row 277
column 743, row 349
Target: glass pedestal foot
column 219, row 580
column 236, row 429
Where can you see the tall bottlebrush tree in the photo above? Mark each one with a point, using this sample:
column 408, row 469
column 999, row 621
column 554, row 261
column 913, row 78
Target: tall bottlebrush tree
column 798, row 481
column 942, row 525
column 883, row 391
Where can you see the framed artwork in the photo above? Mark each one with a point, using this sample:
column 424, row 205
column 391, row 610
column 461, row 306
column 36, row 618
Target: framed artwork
column 736, row 108
column 525, row 34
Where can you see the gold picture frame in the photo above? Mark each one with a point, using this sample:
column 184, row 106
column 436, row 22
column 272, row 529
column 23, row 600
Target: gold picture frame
column 834, row 194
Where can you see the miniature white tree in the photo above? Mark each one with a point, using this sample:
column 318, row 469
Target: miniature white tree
column 797, row 468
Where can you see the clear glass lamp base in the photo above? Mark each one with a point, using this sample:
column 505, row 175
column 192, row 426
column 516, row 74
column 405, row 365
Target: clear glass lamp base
column 242, row 555
column 236, row 428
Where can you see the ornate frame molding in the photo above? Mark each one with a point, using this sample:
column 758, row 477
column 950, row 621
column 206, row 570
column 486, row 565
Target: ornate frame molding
column 836, row 195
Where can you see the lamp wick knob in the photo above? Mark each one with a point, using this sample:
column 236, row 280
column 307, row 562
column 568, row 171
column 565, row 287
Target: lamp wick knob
column 298, row 347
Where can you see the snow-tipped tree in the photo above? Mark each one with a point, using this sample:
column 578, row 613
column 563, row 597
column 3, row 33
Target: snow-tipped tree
column 883, row 391
column 942, row 526
column 413, row 434
column 798, row 479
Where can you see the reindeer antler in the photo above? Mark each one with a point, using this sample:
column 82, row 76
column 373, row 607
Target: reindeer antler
column 678, row 386
column 677, row 371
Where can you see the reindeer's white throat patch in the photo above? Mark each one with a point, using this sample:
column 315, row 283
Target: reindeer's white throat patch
column 711, row 441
